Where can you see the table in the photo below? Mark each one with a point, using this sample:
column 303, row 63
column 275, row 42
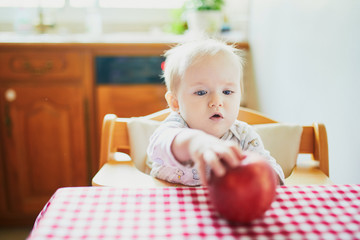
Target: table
column 298, row 212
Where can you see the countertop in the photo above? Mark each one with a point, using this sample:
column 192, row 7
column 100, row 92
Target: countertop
column 122, row 37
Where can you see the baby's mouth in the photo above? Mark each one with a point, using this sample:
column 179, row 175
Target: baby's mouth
column 216, row 116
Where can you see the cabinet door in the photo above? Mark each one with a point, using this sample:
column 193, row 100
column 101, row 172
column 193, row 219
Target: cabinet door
column 44, row 143
column 129, row 100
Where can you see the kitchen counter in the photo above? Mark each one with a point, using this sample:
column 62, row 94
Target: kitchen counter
column 123, row 37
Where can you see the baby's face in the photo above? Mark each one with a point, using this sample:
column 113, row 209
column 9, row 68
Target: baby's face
column 209, row 94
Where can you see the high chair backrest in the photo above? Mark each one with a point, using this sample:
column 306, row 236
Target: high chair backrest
column 115, row 137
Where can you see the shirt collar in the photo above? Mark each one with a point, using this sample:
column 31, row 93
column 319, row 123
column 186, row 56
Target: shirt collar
column 230, row 133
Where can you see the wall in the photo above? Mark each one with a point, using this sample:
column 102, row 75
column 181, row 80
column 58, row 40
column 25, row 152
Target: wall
column 306, row 67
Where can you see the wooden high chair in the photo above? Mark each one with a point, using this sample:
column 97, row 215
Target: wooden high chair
column 117, row 169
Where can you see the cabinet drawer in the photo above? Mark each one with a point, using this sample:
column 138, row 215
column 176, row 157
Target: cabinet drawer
column 40, row 65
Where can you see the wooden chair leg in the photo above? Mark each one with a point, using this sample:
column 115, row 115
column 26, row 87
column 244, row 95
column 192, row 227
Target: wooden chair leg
column 321, row 147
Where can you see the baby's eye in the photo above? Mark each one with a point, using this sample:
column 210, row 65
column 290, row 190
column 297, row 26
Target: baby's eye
column 227, row 92
column 201, row 92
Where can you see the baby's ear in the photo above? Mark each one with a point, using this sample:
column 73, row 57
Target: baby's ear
column 172, row 101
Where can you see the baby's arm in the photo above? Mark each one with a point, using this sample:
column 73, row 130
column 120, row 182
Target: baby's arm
column 204, row 149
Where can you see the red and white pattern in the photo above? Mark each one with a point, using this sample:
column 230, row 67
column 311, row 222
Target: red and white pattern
column 299, row 212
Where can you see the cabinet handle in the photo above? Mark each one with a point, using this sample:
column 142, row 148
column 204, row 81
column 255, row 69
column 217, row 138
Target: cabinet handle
column 10, row 96
column 38, row 70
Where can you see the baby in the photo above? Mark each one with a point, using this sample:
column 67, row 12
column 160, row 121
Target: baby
column 202, row 133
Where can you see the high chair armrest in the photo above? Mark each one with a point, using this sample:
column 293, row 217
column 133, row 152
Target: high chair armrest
column 117, row 174
column 308, row 174
column 123, row 173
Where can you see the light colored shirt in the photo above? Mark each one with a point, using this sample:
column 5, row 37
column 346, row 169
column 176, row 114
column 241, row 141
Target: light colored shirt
column 164, row 165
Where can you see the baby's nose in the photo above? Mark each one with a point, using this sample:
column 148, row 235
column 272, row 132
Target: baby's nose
column 215, row 101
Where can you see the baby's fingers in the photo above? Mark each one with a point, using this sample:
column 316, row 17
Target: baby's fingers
column 238, row 153
column 232, row 156
column 214, row 162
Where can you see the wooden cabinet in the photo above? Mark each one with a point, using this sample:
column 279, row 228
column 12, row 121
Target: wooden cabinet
column 129, row 100
column 43, row 129
column 27, row 64
column 51, row 112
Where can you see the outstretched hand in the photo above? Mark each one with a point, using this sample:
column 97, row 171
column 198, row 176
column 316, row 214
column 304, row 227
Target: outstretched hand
column 204, row 149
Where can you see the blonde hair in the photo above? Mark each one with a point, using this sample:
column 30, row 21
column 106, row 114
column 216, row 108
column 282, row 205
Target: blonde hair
column 180, row 57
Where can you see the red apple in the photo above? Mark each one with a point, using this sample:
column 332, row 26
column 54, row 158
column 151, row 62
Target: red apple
column 245, row 192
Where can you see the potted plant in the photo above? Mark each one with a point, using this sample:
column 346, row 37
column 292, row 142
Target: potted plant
column 204, row 15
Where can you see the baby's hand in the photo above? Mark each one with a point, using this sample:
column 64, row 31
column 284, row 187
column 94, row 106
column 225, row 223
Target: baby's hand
column 209, row 150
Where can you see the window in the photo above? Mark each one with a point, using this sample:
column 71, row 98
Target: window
column 70, row 16
column 88, row 3
column 33, row 3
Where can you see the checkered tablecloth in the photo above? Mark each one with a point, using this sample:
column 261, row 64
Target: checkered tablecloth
column 299, row 212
